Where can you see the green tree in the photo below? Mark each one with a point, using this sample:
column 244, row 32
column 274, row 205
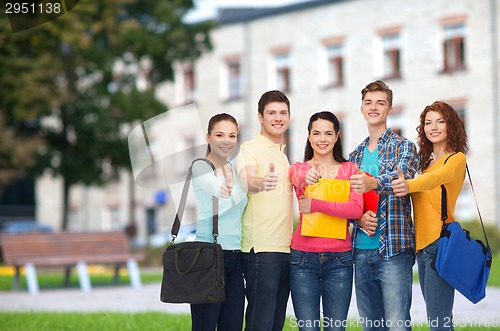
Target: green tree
column 62, row 91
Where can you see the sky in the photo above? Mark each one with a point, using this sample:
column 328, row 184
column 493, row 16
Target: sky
column 208, row 8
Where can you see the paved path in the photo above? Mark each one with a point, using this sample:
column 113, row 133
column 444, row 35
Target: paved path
column 126, row 299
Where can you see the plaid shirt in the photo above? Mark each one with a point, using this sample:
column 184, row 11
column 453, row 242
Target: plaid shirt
column 396, row 226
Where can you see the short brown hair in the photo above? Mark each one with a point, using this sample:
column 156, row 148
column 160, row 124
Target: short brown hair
column 272, row 96
column 377, row 86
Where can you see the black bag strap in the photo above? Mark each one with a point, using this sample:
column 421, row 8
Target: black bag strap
column 444, row 209
column 182, row 204
column 444, row 206
column 477, row 206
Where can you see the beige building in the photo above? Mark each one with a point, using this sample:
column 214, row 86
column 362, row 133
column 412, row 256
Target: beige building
column 321, row 54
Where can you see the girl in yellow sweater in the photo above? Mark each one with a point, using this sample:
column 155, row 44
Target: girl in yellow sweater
column 442, row 145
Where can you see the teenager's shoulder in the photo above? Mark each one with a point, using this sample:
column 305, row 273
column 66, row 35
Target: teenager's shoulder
column 299, row 166
column 458, row 157
column 398, row 139
column 203, row 163
column 348, row 168
column 251, row 141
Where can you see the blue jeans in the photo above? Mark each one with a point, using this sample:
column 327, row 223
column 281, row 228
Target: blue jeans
column 227, row 315
column 267, row 290
column 438, row 294
column 383, row 289
column 321, row 275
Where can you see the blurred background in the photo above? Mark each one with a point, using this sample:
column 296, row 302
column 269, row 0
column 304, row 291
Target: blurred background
column 82, row 92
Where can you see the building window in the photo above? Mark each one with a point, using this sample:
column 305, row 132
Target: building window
column 454, row 47
column 282, row 64
column 342, row 128
column 335, row 58
column 460, row 107
column 395, row 120
column 286, row 141
column 189, row 84
column 391, row 44
column 234, row 80
column 114, row 213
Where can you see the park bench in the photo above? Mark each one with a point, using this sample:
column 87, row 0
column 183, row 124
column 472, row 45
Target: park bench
column 68, row 249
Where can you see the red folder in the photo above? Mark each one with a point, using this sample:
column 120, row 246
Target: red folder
column 370, row 200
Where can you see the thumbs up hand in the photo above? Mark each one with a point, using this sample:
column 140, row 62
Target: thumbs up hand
column 313, row 175
column 304, row 204
column 400, row 185
column 359, row 181
column 226, row 190
column 270, row 179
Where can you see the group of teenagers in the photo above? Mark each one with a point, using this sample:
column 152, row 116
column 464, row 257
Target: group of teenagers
column 266, row 260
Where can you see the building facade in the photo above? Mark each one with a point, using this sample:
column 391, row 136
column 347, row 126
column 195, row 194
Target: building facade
column 321, row 54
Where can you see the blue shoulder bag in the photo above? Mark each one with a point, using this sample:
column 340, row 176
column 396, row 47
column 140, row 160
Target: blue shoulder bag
column 461, row 261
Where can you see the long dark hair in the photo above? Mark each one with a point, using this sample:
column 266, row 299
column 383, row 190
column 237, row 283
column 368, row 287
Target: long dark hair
column 216, row 119
column 456, row 140
column 337, row 152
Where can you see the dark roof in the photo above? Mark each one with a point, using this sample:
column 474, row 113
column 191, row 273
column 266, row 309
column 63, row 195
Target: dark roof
column 241, row 14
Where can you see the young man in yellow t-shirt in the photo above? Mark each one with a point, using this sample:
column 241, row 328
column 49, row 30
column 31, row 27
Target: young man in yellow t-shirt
column 268, row 217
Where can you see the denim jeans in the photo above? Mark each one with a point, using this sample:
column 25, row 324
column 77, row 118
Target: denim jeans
column 227, row 315
column 267, row 290
column 321, row 275
column 438, row 294
column 383, row 289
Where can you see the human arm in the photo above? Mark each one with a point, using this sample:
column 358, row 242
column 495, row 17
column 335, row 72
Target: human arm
column 361, row 182
column 302, row 174
column 349, row 209
column 444, row 174
column 255, row 184
column 406, row 158
column 353, row 208
column 400, row 185
column 205, row 178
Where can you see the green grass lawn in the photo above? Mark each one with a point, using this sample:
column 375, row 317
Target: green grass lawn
column 54, row 279
column 49, row 321
column 127, row 322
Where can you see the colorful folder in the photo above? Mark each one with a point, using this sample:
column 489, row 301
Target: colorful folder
column 370, row 200
column 323, row 225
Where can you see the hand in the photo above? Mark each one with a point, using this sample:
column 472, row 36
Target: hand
column 225, row 190
column 313, row 175
column 360, row 181
column 368, row 223
column 304, row 204
column 400, row 185
column 270, row 179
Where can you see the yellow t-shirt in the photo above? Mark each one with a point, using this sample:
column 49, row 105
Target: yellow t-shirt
column 268, row 217
column 426, row 197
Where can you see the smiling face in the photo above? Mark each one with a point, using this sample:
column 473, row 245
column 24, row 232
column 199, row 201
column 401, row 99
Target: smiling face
column 322, row 137
column 222, row 139
column 435, row 128
column 376, row 108
column 274, row 121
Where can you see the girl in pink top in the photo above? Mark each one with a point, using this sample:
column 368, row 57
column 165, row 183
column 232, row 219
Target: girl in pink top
column 322, row 268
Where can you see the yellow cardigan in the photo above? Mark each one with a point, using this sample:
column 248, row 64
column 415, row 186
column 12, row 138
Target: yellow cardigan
column 426, row 196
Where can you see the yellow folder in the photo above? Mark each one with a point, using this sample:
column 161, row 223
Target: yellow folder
column 323, row 225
